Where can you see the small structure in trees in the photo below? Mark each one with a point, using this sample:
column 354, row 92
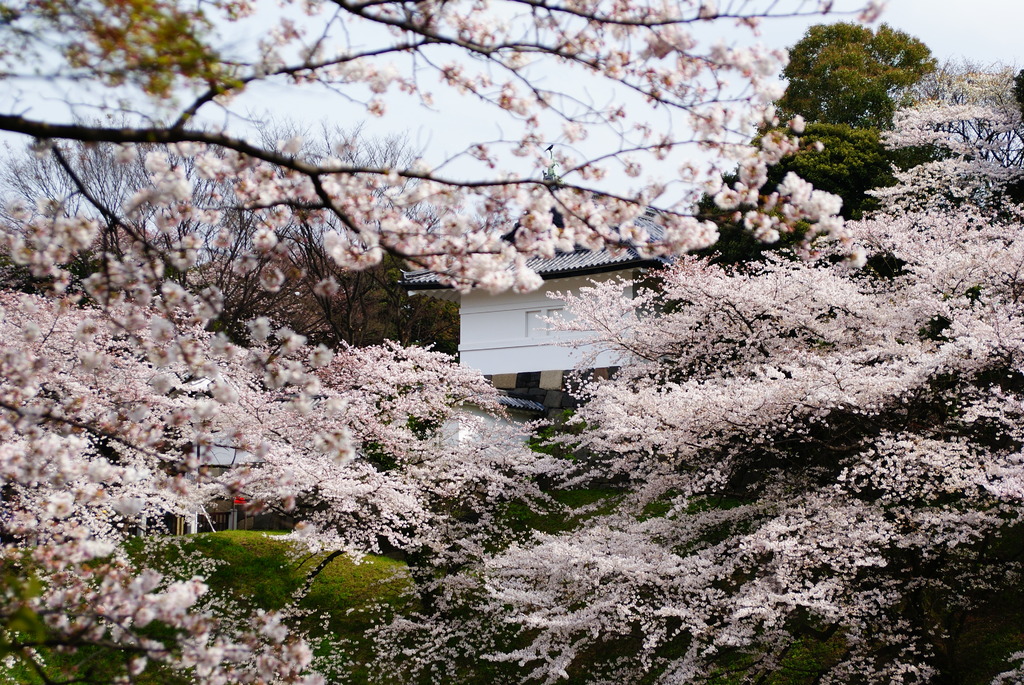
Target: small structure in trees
column 508, row 336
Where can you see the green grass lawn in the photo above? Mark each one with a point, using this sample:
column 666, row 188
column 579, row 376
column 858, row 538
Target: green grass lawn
column 247, row 570
column 260, row 569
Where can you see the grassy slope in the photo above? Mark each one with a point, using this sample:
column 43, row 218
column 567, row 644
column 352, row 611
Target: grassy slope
column 339, row 607
column 255, row 570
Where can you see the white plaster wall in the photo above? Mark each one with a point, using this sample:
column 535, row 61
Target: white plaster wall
column 500, row 333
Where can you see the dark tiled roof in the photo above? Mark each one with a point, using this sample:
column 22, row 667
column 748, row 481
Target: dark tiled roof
column 564, row 264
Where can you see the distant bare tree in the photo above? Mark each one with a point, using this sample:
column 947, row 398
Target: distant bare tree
column 309, row 292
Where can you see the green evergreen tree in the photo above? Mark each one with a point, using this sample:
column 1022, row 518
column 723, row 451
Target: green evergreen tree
column 848, row 74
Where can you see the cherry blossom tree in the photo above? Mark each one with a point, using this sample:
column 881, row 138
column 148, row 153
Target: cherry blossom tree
column 648, row 55
column 969, row 123
column 97, row 433
column 808, row 457
column 115, row 392
column 111, row 421
column 323, row 301
column 819, row 471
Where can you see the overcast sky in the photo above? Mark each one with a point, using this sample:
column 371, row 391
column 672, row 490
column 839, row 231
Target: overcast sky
column 986, row 31
column 982, row 31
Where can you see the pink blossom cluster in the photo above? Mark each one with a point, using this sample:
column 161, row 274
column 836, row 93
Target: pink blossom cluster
column 111, row 420
column 652, row 55
column 115, row 396
column 975, row 132
column 803, row 451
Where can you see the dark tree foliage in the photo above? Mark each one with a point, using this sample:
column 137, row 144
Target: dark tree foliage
column 836, row 158
column 850, row 162
column 848, row 74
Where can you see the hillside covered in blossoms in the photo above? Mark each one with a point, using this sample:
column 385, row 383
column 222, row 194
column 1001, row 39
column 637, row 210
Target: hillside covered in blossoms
column 807, row 466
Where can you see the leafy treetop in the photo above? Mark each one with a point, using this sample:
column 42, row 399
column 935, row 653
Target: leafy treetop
column 848, row 74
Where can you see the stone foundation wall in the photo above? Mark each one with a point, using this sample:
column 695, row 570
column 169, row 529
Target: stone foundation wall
column 553, row 389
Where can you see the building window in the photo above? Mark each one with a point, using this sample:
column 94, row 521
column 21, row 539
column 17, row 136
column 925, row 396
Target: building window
column 536, row 326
